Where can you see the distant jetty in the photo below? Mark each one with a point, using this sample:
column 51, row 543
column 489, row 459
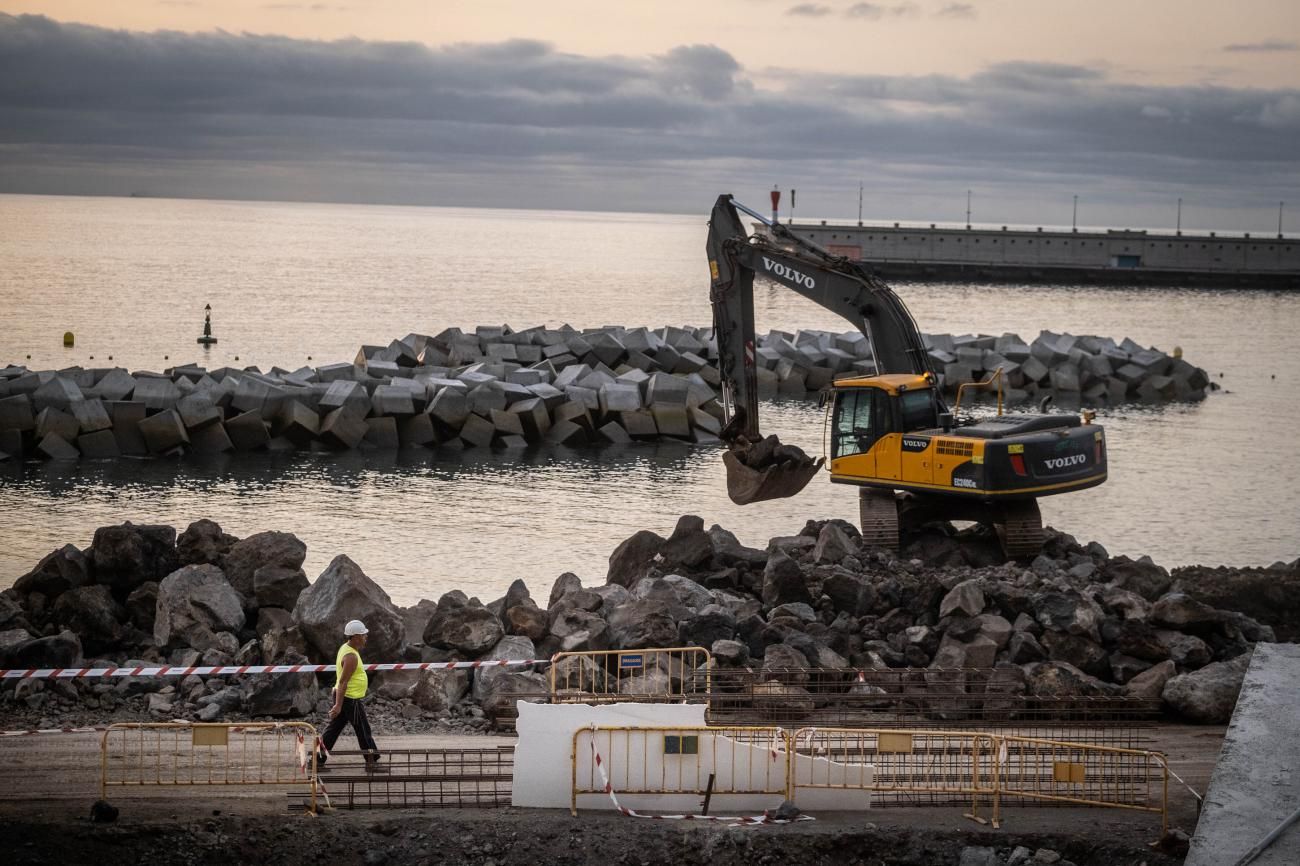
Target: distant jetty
column 1112, row 256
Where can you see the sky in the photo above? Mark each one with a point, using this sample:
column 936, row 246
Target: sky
column 658, row 106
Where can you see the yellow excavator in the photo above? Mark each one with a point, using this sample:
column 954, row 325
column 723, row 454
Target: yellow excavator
column 890, row 434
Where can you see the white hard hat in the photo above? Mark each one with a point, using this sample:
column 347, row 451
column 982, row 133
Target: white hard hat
column 355, row 627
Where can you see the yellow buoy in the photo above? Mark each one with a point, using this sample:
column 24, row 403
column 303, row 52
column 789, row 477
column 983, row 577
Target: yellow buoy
column 68, row 339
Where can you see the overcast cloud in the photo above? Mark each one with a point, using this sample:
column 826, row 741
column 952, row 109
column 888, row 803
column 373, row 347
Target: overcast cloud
column 90, row 110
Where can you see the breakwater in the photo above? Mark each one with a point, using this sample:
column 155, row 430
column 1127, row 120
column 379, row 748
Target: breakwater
column 498, row 387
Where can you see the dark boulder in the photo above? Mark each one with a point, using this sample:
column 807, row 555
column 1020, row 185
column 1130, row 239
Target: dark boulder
column 264, row 549
column 284, row 695
column 93, row 615
column 1207, row 696
column 640, row 624
column 203, row 543
column 689, row 546
column 1141, row 576
column 469, row 628
column 278, row 586
column 62, row 650
column 128, row 555
column 142, row 606
column 64, row 569
column 634, row 558
column 783, row 581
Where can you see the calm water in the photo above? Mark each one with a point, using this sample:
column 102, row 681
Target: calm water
column 1213, row 482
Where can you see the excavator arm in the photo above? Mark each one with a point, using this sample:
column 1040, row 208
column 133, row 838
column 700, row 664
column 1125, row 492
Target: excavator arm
column 832, row 281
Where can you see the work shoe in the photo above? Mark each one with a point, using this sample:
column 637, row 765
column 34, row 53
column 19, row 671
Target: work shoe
column 374, row 767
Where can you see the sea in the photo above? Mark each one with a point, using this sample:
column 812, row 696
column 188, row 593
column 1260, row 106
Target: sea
column 1213, row 482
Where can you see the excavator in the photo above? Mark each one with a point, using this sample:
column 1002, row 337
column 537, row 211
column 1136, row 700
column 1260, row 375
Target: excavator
column 890, row 434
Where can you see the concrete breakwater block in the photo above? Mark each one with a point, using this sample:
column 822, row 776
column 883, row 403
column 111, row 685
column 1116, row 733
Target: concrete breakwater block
column 497, row 387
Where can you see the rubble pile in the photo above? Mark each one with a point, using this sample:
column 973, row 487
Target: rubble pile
column 1076, row 621
column 497, row 387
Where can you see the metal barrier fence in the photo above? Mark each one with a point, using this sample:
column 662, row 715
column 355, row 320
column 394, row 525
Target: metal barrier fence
column 893, row 765
column 657, row 760
column 1050, row 771
column 244, row 754
column 676, row 674
column 898, row 765
column 959, row 699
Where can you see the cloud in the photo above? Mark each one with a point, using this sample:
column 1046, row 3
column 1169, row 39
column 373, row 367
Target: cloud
column 956, row 10
column 1268, row 45
column 86, row 109
column 877, row 11
column 809, row 10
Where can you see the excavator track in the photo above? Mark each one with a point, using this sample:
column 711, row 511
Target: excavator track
column 879, row 512
column 1021, row 531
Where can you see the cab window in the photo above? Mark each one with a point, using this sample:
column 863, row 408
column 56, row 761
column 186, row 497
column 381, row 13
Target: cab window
column 858, row 421
column 917, row 410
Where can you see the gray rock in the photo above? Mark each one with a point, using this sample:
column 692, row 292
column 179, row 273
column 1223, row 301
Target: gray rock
column 203, row 542
column 1068, row 613
column 62, row 650
column 633, row 558
column 640, row 624
column 1209, row 695
column 1187, row 651
column 282, row 549
column 278, row 586
column 580, row 631
column 833, row 544
column 64, row 569
column 469, row 628
column 1178, row 610
column 508, row 647
column 689, row 546
column 730, row 653
column 783, row 581
column 438, row 691
column 1150, row 684
column 284, row 695
column 966, row 597
column 195, row 603
column 976, row 856
column 343, row 592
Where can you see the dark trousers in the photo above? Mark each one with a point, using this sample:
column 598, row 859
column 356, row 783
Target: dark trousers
column 355, row 715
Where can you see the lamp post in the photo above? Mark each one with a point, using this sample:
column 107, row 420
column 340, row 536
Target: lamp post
column 1179, row 229
column 859, row 204
column 1074, row 218
column 1279, row 219
column 968, row 209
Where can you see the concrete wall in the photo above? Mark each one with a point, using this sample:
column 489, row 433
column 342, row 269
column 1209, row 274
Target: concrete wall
column 544, row 771
column 1058, row 249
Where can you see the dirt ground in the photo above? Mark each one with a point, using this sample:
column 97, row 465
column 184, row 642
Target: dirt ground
column 47, row 783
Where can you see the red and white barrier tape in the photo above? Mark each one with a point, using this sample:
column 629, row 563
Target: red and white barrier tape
column 90, row 729
column 238, row 670
column 742, row 820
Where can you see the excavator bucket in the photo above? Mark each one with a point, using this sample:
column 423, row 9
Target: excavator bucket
column 777, row 481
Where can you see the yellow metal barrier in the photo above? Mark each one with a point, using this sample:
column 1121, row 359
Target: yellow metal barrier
column 926, row 765
column 677, row 674
column 174, row 754
column 1085, row 775
column 699, row 761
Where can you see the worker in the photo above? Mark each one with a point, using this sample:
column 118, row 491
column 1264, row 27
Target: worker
column 349, row 688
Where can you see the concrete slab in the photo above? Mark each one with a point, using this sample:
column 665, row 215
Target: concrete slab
column 211, row 439
column 91, row 415
column 614, row 432
column 16, row 413
column 59, row 393
column 126, row 427
column 52, row 420
column 56, row 447
column 198, row 411
column 343, row 429
column 248, row 432
column 297, row 423
column 1256, row 783
column 155, row 393
column 382, row 433
column 163, row 432
column 477, row 431
column 417, row 430
column 116, row 384
column 449, row 409
column 99, row 445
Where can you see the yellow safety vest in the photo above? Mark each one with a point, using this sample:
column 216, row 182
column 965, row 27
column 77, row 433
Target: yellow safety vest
column 358, row 682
